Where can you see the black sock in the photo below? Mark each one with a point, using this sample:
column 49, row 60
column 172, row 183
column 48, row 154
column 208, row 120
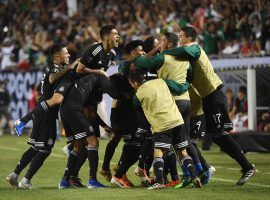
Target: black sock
column 92, row 155
column 205, row 165
column 25, row 159
column 129, row 157
column 146, row 149
column 171, row 160
column 36, row 163
column 109, row 151
column 39, row 109
column 82, row 156
column 158, row 165
column 192, row 152
column 71, row 164
column 188, row 164
column 232, row 148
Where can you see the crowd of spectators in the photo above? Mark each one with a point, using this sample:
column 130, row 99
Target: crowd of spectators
column 226, row 28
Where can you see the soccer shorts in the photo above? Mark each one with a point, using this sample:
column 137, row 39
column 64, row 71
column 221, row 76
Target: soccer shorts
column 216, row 113
column 43, row 134
column 197, row 128
column 75, row 122
column 171, row 137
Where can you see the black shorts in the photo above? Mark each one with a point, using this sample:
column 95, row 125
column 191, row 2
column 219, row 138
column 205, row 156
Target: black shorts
column 75, row 122
column 184, row 108
column 43, row 134
column 172, row 137
column 197, row 128
column 65, row 84
column 216, row 113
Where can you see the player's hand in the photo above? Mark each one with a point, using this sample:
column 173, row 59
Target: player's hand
column 76, row 62
column 103, row 73
column 265, row 116
column 108, row 130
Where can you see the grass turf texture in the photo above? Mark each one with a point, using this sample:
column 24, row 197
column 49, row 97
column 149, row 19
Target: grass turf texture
column 46, row 180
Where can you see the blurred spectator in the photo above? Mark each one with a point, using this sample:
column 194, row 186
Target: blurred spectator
column 33, row 97
column 35, row 25
column 5, row 120
column 264, row 126
column 245, row 49
column 230, row 101
column 240, row 110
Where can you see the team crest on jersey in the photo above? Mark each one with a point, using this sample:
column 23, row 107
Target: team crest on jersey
column 99, row 62
column 61, row 89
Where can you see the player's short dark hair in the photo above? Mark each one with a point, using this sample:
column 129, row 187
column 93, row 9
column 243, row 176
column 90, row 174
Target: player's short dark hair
column 56, row 48
column 132, row 45
column 242, row 89
column 172, row 38
column 120, row 83
column 148, row 44
column 136, row 76
column 190, row 32
column 87, row 43
column 106, row 30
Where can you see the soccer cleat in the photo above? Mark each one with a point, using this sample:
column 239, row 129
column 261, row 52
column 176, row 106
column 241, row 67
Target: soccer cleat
column 74, row 183
column 127, row 181
column 246, row 176
column 196, row 182
column 186, row 180
column 79, row 182
column 64, row 184
column 94, row 184
column 13, row 180
column 213, row 170
column 172, row 183
column 143, row 174
column 25, row 184
column 156, row 186
column 119, row 182
column 203, row 177
column 106, row 173
column 18, row 127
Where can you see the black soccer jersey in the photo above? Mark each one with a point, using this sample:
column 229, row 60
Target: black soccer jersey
column 47, row 89
column 96, row 58
column 89, row 85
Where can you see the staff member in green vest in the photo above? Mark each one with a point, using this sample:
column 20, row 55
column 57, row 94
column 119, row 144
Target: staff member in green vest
column 162, row 113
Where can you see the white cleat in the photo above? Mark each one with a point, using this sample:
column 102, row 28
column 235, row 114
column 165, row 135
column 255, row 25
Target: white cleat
column 13, row 179
column 25, row 184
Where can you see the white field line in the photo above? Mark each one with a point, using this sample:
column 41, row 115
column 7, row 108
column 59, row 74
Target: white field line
column 101, row 161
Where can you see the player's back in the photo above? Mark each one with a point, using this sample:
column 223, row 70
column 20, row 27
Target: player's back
column 158, row 105
column 205, row 79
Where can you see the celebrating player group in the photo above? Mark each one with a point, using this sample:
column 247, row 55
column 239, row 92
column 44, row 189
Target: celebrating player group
column 166, row 96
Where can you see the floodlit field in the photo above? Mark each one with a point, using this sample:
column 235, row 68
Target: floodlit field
column 46, row 180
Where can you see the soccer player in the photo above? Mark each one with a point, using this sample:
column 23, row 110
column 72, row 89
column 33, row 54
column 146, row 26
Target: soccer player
column 123, row 116
column 209, row 85
column 162, row 113
column 79, row 130
column 95, row 60
column 44, row 126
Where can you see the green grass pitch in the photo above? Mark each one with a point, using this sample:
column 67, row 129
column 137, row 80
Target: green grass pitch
column 46, row 180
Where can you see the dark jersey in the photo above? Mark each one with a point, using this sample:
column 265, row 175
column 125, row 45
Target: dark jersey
column 92, row 84
column 47, row 89
column 96, row 58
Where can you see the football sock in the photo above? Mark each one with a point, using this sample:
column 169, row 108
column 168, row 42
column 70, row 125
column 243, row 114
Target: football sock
column 25, row 160
column 92, row 155
column 229, row 146
column 36, row 163
column 109, row 152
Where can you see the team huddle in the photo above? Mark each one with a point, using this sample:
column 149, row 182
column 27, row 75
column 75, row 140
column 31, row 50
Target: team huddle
column 165, row 97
